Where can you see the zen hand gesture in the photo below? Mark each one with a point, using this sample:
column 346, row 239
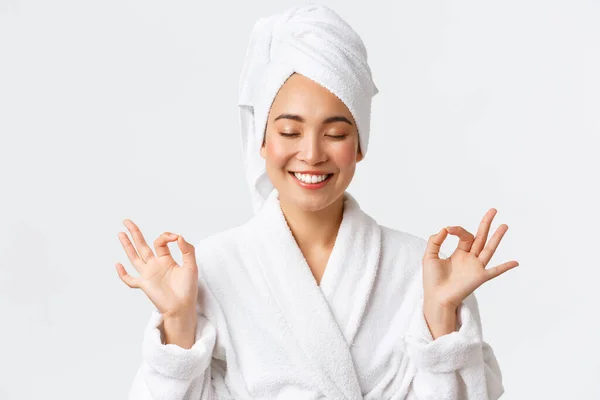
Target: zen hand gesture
column 173, row 289
column 447, row 282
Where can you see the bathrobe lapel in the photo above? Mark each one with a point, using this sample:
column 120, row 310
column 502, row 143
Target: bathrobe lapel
column 322, row 321
column 350, row 274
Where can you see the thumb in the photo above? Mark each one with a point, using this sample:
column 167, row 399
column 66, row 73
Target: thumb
column 434, row 244
column 188, row 251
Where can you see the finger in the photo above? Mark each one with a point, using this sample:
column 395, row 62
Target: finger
column 465, row 237
column 144, row 250
column 483, row 231
column 161, row 244
column 490, row 248
column 126, row 278
column 434, row 244
column 188, row 251
column 131, row 252
column 491, row 273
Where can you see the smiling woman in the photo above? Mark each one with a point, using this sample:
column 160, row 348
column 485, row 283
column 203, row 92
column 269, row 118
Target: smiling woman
column 310, row 132
column 312, row 298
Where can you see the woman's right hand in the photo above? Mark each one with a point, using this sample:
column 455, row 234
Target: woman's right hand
column 173, row 289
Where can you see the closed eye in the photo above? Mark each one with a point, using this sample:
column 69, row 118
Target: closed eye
column 336, row 137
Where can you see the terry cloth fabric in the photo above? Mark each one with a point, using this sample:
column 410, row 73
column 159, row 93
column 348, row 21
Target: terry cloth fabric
column 311, row 40
column 267, row 330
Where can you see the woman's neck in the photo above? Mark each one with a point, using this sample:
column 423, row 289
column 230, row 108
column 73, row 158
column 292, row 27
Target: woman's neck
column 314, row 230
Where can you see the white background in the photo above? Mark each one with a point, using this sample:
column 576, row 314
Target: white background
column 127, row 109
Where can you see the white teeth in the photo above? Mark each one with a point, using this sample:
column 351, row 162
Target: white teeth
column 310, row 178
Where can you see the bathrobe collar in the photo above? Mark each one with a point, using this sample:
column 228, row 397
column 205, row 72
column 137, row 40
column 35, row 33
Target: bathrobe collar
column 322, row 320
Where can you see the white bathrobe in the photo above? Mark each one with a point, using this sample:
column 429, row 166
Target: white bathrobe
column 266, row 330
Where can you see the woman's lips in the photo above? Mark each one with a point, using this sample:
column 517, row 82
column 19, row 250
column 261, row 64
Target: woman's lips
column 311, row 186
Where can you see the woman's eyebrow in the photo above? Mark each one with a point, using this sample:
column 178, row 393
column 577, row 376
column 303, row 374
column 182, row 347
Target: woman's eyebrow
column 328, row 120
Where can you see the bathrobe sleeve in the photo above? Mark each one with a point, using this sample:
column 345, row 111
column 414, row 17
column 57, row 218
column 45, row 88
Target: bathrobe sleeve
column 172, row 372
column 458, row 365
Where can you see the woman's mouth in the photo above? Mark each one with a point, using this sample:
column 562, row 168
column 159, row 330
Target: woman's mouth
column 310, row 181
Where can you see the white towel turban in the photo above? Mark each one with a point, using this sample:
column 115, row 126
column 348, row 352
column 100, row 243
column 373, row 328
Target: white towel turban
column 313, row 41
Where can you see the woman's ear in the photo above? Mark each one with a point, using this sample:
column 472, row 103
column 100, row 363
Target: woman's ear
column 263, row 150
column 263, row 147
column 359, row 155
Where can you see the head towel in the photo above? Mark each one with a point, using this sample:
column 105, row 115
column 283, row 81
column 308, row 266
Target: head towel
column 311, row 40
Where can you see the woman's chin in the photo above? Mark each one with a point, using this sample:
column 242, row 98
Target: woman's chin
column 312, row 202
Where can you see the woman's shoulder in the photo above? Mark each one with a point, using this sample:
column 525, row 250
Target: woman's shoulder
column 404, row 250
column 400, row 240
column 227, row 242
column 401, row 259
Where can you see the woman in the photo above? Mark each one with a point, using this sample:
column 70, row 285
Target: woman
column 311, row 298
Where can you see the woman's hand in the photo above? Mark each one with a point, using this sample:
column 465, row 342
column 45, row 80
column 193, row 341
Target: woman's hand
column 447, row 282
column 173, row 289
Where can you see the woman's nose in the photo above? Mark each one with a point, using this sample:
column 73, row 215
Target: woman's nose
column 312, row 151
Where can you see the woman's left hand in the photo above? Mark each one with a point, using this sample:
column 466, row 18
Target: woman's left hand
column 447, row 282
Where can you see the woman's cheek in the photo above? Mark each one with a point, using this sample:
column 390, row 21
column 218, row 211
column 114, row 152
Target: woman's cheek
column 345, row 154
column 277, row 152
